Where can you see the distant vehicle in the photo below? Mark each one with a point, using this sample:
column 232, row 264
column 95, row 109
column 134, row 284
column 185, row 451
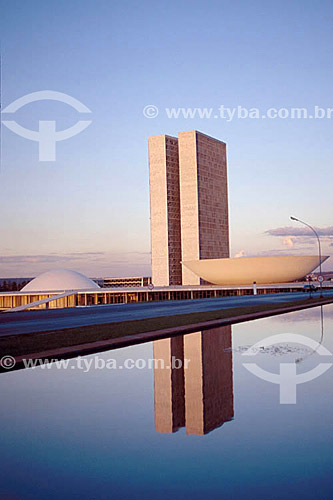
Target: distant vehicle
column 309, row 288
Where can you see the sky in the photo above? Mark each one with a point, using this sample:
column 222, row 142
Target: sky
column 89, row 209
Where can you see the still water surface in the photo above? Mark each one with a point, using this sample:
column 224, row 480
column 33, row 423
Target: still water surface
column 211, row 431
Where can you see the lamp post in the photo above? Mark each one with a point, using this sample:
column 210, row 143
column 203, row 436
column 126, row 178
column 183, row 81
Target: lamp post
column 319, row 247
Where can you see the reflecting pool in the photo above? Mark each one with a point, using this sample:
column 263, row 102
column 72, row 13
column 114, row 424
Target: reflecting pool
column 196, row 424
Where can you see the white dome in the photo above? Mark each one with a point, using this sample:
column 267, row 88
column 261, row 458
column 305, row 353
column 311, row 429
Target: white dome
column 59, row 280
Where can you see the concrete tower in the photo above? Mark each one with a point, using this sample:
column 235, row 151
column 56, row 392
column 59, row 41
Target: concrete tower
column 203, row 200
column 188, row 204
column 164, row 210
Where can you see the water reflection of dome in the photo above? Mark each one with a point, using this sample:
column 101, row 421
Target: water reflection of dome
column 60, row 280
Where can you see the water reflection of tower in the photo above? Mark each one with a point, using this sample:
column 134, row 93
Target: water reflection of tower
column 201, row 396
column 169, row 386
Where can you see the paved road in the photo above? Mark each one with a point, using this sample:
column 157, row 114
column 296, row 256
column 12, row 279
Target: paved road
column 49, row 320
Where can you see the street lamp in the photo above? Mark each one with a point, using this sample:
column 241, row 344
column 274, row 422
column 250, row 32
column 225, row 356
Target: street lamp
column 319, row 248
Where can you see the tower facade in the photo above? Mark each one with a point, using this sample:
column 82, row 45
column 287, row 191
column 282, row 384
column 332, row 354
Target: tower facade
column 203, row 200
column 188, row 204
column 164, row 210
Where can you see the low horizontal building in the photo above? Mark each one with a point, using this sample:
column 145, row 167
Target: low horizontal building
column 123, row 282
column 62, row 288
column 99, row 296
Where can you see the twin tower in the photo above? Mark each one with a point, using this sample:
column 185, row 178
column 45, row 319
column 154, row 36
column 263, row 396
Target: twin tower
column 188, row 204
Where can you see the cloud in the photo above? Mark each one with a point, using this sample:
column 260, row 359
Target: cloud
column 293, row 237
column 241, row 253
column 288, row 242
column 47, row 258
column 278, row 252
column 300, row 231
column 68, row 257
column 90, row 263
